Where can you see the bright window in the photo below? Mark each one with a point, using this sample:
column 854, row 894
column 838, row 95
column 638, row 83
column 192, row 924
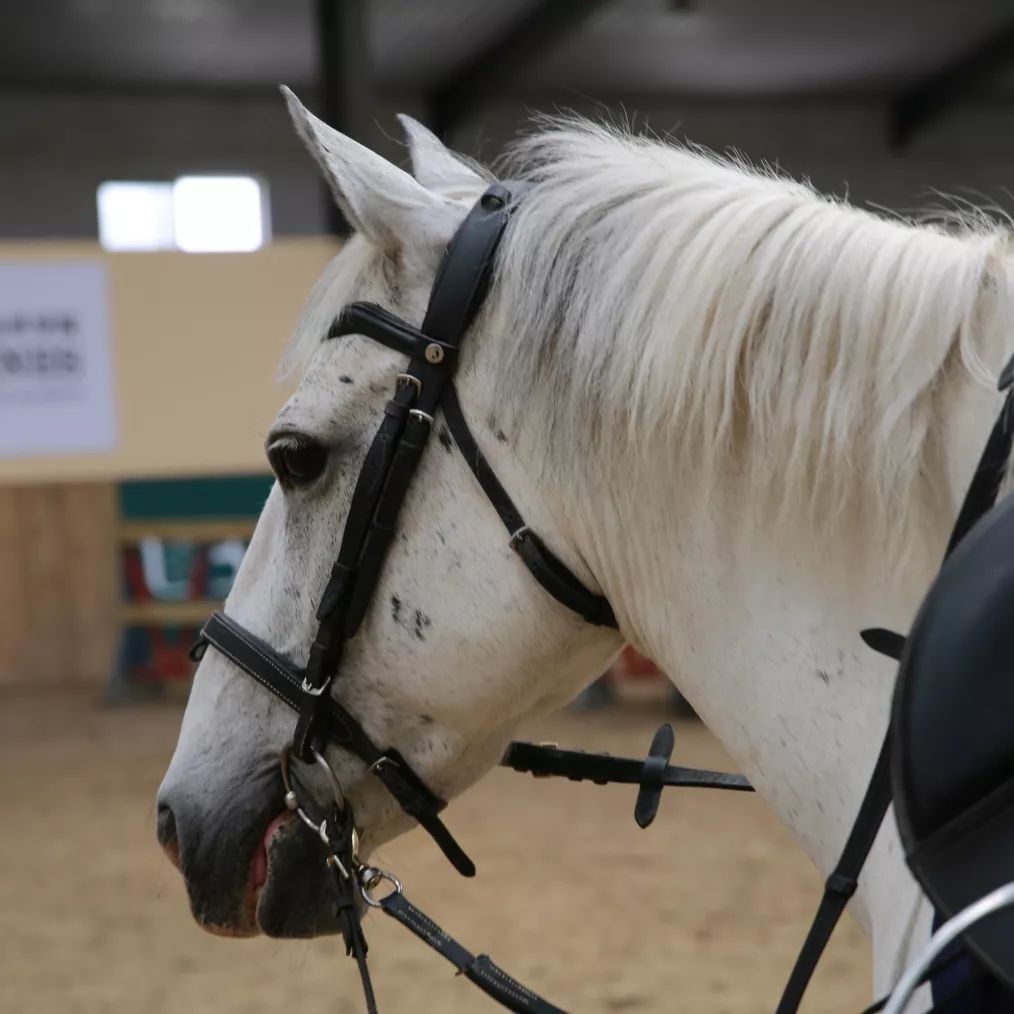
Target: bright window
column 136, row 216
column 197, row 214
column 218, row 213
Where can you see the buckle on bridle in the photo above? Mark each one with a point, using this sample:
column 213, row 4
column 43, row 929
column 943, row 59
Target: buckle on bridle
column 308, row 688
column 380, row 762
column 409, row 379
column 517, row 536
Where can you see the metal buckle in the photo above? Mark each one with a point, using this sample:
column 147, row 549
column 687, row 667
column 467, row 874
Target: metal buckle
column 409, row 379
column 518, row 535
column 309, row 688
column 380, row 762
column 369, row 878
column 420, row 414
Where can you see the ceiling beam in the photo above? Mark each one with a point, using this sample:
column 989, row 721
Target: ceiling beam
column 925, row 102
column 488, row 72
column 345, row 80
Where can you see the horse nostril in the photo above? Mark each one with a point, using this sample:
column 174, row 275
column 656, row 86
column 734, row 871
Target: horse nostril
column 165, row 830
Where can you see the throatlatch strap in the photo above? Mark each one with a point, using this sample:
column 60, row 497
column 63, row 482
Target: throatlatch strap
column 481, row 970
column 545, row 566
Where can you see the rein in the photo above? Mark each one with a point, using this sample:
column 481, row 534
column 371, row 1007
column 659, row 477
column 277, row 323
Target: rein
column 425, row 388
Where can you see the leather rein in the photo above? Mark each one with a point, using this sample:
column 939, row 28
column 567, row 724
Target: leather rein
column 425, row 388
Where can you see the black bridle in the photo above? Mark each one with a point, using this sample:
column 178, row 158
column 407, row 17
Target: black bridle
column 425, row 388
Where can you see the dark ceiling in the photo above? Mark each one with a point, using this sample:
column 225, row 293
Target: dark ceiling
column 599, row 49
column 704, row 46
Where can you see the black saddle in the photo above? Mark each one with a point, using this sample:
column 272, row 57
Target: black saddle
column 953, row 736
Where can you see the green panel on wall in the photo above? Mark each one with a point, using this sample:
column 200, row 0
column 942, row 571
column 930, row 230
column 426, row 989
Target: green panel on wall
column 236, row 496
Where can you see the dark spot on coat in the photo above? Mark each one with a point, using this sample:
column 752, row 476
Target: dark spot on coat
column 345, row 379
column 444, row 436
column 395, row 608
column 422, row 621
column 822, row 674
column 426, row 719
column 495, row 429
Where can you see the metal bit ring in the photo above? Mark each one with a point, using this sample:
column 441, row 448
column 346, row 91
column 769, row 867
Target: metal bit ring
column 292, row 797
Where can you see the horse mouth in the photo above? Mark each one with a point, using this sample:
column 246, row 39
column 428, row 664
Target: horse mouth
column 261, row 869
column 288, row 894
column 247, row 920
column 259, row 873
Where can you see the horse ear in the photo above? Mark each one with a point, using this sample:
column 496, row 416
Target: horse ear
column 377, row 198
column 435, row 166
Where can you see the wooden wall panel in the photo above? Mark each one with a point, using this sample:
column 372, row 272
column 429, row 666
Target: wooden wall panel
column 58, row 582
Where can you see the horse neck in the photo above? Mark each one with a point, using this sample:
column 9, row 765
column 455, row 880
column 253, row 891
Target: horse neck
column 761, row 632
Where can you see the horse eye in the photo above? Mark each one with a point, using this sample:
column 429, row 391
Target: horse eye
column 296, row 460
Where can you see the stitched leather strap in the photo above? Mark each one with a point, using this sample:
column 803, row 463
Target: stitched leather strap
column 481, row 970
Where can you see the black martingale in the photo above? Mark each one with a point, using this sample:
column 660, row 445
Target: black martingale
column 423, row 390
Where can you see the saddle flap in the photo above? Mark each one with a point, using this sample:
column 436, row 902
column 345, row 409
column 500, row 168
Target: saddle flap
column 953, row 735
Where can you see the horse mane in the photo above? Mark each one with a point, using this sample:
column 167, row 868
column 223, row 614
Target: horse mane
column 655, row 291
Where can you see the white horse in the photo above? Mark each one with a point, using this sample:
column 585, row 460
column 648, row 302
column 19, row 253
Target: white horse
column 742, row 411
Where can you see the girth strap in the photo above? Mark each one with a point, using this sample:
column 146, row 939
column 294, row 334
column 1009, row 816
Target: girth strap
column 275, row 672
column 481, row 970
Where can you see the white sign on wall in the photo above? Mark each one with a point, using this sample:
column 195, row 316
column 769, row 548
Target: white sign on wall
column 56, row 375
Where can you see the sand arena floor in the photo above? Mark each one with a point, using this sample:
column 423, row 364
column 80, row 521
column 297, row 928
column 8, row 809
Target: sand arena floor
column 703, row 912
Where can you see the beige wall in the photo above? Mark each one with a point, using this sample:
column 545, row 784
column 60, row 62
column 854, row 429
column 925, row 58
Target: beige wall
column 197, row 340
column 58, row 582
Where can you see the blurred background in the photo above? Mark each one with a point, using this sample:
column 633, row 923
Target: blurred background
column 160, row 226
